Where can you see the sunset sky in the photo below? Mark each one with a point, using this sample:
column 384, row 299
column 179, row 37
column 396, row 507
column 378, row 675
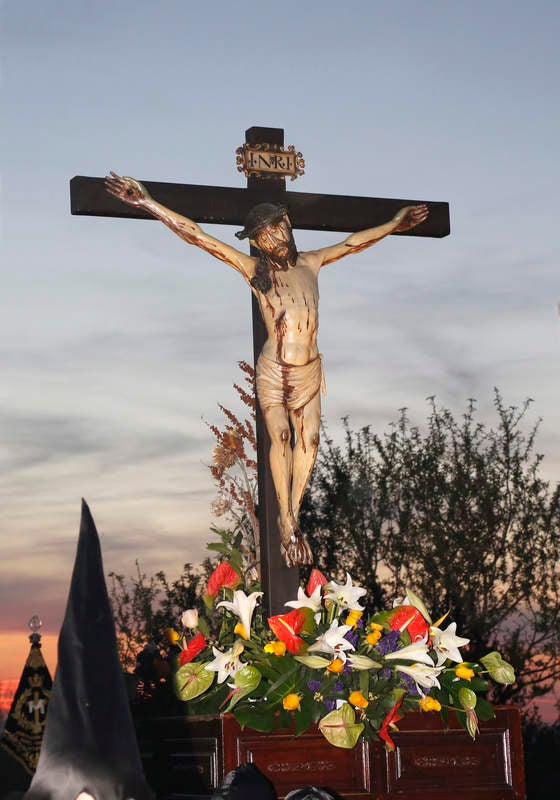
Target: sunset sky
column 117, row 338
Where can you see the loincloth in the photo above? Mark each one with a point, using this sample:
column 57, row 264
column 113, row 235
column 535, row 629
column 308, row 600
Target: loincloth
column 288, row 385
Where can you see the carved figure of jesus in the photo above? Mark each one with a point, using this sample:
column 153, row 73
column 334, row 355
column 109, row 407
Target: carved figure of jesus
column 289, row 373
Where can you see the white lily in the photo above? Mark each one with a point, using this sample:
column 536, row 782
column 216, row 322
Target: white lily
column 423, row 675
column 358, row 661
column 243, row 606
column 315, row 662
column 333, row 641
column 417, row 651
column 226, row 664
column 446, row 644
column 346, row 595
column 304, row 600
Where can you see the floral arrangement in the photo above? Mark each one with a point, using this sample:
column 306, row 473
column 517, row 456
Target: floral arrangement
column 325, row 661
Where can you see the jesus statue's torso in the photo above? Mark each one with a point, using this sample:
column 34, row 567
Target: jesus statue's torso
column 290, row 312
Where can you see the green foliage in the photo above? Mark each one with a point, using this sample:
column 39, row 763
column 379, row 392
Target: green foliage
column 459, row 512
column 144, row 607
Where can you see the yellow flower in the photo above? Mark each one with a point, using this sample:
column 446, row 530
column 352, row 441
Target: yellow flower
column 430, row 704
column 462, row 671
column 291, row 702
column 373, row 637
column 353, row 616
column 375, row 626
column 357, row 699
column 275, row 648
column 240, row 630
column 336, row 665
column 172, row 636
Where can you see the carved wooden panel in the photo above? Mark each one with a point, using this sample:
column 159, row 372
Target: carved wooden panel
column 432, row 764
column 294, row 762
column 185, row 758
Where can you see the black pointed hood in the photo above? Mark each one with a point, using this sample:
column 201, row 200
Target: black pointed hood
column 89, row 743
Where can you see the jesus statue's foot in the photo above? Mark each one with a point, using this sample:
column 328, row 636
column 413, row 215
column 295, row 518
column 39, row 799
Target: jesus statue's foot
column 294, row 546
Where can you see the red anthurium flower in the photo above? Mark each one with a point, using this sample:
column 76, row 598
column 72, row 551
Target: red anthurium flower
column 193, row 648
column 316, row 578
column 410, row 619
column 223, row 575
column 392, row 716
column 286, row 628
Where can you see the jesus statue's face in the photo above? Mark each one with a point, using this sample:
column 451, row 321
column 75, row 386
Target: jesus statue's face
column 277, row 242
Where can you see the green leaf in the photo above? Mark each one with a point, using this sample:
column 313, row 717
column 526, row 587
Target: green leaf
column 340, row 728
column 246, row 681
column 467, row 698
column 471, row 723
column 218, row 548
column 484, row 709
column 256, row 716
column 468, row 720
column 499, row 670
column 303, row 717
column 479, row 684
column 236, row 561
column 210, row 702
column 285, row 684
column 447, row 678
column 192, row 679
column 364, row 682
column 382, row 618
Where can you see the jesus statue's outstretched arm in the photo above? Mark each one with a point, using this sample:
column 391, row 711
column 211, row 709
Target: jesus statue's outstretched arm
column 405, row 219
column 134, row 193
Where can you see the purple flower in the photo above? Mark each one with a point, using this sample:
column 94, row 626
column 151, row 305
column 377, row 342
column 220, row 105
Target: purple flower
column 385, row 673
column 352, row 638
column 388, row 642
column 329, row 704
column 409, row 684
column 338, row 686
column 314, row 686
column 347, row 667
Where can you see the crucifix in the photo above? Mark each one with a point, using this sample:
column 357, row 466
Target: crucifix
column 284, row 302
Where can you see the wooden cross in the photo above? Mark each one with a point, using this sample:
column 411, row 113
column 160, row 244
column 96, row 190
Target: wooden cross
column 229, row 206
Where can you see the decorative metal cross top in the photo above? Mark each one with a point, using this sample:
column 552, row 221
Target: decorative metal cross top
column 285, row 299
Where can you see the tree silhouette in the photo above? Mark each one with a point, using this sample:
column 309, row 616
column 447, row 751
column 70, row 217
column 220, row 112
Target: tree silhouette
column 459, row 513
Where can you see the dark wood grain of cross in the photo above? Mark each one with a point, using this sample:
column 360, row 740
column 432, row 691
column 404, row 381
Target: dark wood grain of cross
column 229, row 206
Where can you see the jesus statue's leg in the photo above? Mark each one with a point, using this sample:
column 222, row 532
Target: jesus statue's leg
column 306, row 422
column 294, row 549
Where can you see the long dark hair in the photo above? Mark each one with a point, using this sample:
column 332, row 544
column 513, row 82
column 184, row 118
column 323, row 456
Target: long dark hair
column 261, row 281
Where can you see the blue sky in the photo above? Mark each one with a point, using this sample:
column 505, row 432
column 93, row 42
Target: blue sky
column 117, row 337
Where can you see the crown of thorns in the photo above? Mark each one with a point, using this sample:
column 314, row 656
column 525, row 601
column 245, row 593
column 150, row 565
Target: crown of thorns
column 259, row 217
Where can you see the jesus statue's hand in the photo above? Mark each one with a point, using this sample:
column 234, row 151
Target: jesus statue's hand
column 409, row 217
column 127, row 189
